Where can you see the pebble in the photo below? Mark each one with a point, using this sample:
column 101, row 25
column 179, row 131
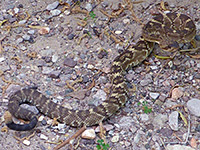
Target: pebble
column 193, row 105
column 126, row 21
column 31, row 32
column 118, row 32
column 159, row 120
column 2, row 59
column 88, row 7
column 70, row 62
column 53, row 5
column 26, row 142
column 55, row 58
column 41, row 118
column 177, row 93
column 137, row 137
column 144, row 117
column 145, row 82
column 66, row 12
column 115, row 138
column 55, row 74
column 55, row 12
column 107, row 127
column 44, row 30
column 19, row 40
column 89, row 134
column 100, row 95
column 26, row 37
column 61, row 126
column 154, row 95
column 173, row 120
column 43, row 137
column 71, row 36
column 46, row 70
column 126, row 122
column 179, row 147
column 22, row 22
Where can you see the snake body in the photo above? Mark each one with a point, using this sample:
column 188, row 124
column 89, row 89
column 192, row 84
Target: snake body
column 168, row 30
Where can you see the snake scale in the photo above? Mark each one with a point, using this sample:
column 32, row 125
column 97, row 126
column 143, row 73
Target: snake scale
column 168, row 30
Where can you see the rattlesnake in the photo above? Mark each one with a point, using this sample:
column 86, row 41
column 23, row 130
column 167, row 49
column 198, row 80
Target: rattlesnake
column 168, row 30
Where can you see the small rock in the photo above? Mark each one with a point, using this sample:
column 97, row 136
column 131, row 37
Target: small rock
column 177, row 93
column 126, row 21
column 70, row 62
column 193, row 105
column 2, row 59
column 41, row 118
column 144, row 117
column 55, row 12
column 55, row 58
column 173, row 120
column 55, row 74
column 107, row 127
column 115, row 138
column 179, row 147
column 88, row 134
column 61, row 126
column 26, row 37
column 126, row 122
column 22, row 22
column 46, row 70
column 66, row 12
column 53, row 5
column 145, row 82
column 44, row 30
column 118, row 32
column 154, row 67
column 100, row 95
column 26, row 142
column 43, row 137
column 71, row 36
column 88, row 7
column 154, row 95
column 159, row 120
column 31, row 32
column 137, row 137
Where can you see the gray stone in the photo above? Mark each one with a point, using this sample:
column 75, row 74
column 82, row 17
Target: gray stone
column 70, row 62
column 55, row 12
column 101, row 95
column 173, row 120
column 53, row 5
column 179, row 147
column 193, row 105
column 55, row 57
column 47, row 70
column 126, row 122
column 159, row 120
column 144, row 117
column 26, row 37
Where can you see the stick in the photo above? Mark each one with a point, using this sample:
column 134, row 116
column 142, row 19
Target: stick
column 73, row 137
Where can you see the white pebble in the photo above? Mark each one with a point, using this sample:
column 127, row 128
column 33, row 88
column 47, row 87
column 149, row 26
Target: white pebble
column 88, row 134
column 43, row 137
column 26, row 142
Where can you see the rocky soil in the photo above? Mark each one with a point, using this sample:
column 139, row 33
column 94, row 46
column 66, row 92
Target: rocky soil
column 66, row 50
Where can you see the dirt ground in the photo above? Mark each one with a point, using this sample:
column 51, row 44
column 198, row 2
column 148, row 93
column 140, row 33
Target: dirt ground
column 82, row 44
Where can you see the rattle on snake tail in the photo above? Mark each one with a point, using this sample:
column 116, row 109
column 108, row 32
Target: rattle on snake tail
column 168, row 30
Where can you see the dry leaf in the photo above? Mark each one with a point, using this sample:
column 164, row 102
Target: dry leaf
column 183, row 118
column 197, row 56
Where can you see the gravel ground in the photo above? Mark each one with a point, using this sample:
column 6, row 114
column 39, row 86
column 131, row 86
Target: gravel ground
column 45, row 44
